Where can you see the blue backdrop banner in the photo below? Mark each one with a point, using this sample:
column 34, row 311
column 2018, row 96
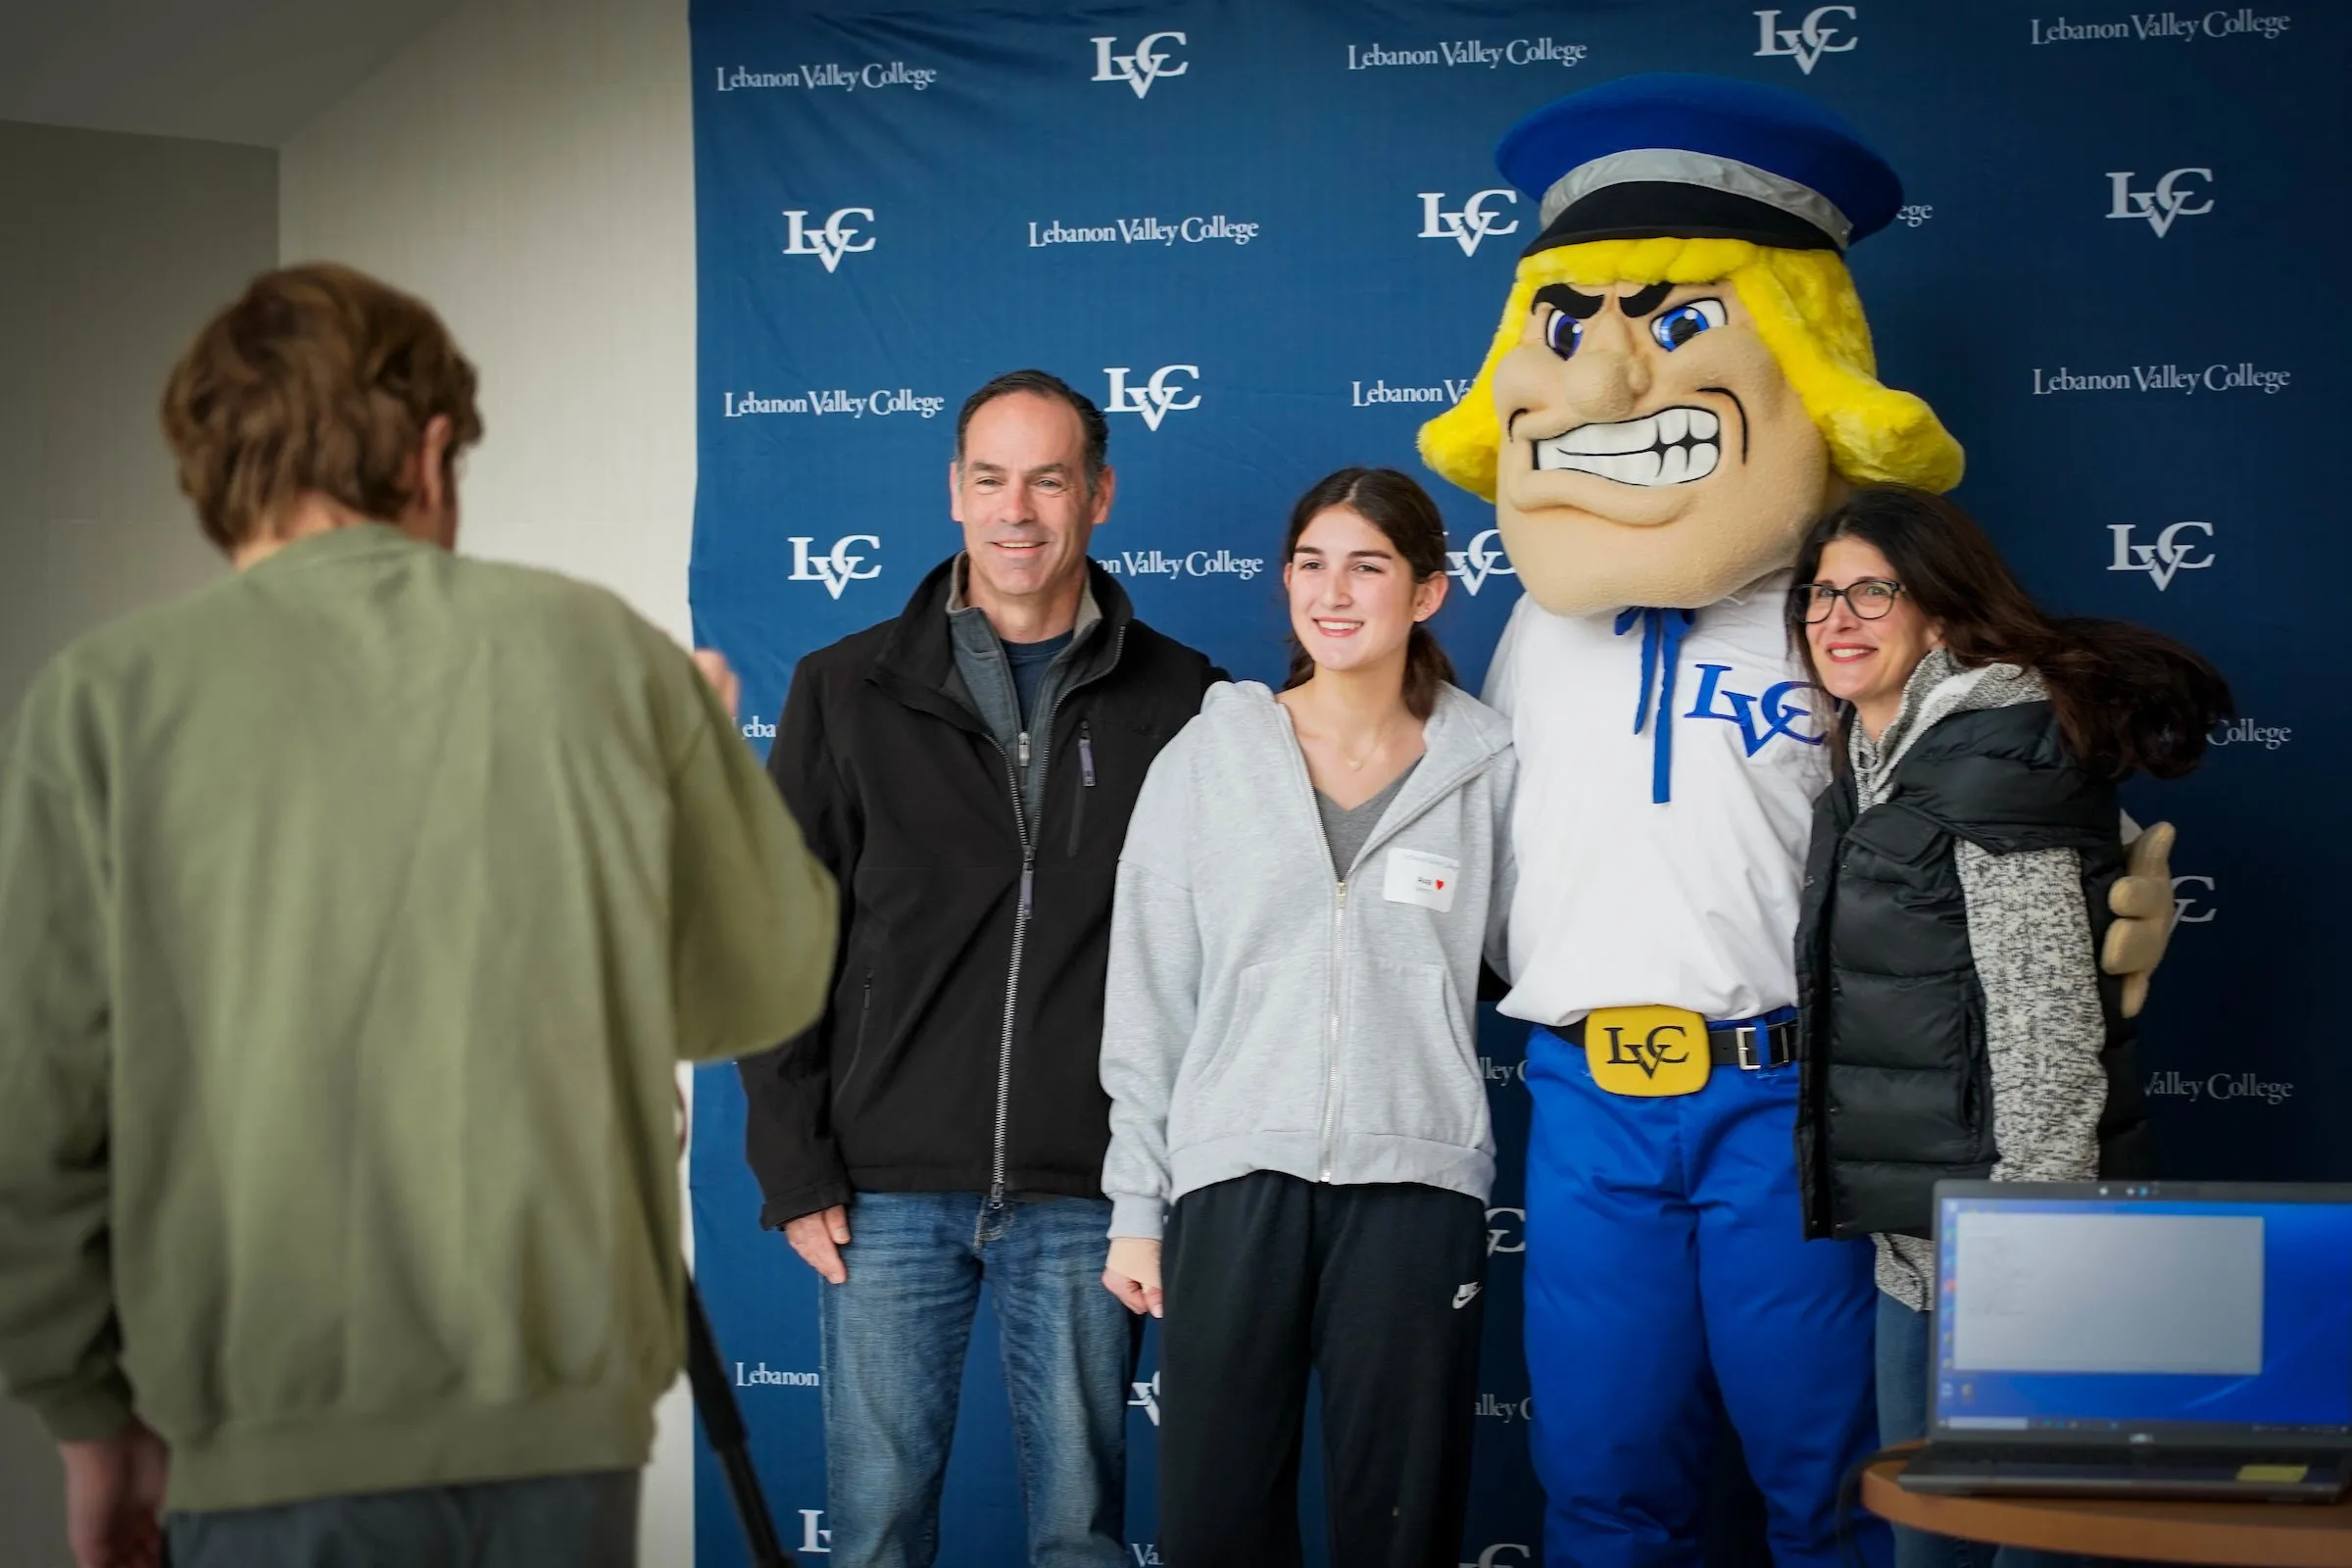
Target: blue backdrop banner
column 1268, row 238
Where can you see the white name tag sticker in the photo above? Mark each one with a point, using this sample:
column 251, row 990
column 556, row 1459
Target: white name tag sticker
column 1416, row 877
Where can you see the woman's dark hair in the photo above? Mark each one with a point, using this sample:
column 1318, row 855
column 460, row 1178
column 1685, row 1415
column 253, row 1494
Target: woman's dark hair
column 2127, row 697
column 1400, row 509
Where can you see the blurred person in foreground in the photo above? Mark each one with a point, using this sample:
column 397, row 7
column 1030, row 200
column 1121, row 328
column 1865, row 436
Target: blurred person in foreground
column 355, row 913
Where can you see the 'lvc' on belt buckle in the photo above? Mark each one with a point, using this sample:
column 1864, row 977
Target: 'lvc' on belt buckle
column 1648, row 1052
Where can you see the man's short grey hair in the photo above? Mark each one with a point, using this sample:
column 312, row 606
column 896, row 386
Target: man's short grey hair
column 1044, row 384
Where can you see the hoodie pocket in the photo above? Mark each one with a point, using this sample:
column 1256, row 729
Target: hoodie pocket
column 1411, row 1069
column 1264, row 1069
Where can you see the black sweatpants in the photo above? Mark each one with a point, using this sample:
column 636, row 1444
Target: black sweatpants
column 1382, row 1291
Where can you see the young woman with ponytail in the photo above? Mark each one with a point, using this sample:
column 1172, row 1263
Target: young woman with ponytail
column 1292, row 1061
column 1955, row 1021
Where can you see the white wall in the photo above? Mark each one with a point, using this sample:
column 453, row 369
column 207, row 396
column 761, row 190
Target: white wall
column 113, row 250
column 528, row 168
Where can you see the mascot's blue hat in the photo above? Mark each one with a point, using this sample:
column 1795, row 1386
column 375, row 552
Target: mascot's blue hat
column 1697, row 158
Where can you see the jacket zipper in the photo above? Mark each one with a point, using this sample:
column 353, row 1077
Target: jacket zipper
column 1020, row 916
column 1339, row 946
column 1013, row 980
column 1338, row 990
column 865, row 1011
column 1086, row 780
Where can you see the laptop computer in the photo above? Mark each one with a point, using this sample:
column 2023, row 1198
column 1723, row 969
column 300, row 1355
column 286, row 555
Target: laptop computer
column 2148, row 1338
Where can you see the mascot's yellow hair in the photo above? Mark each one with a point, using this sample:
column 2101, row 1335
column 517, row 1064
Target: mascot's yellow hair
column 1806, row 311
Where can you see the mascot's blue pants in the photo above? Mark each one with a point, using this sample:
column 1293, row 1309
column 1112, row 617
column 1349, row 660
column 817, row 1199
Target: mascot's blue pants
column 1665, row 1260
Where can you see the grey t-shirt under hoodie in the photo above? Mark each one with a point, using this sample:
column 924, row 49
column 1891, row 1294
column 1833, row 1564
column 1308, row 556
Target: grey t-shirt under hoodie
column 1346, row 828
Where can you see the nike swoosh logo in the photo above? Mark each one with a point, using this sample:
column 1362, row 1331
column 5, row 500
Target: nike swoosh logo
column 1464, row 1296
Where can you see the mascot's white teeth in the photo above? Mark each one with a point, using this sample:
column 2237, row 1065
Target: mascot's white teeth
column 1673, row 446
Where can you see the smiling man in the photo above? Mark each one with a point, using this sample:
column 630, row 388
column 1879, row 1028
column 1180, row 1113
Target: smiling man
column 966, row 771
column 1681, row 382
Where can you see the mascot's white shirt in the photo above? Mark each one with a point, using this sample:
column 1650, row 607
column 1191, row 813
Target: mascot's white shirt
column 1621, row 900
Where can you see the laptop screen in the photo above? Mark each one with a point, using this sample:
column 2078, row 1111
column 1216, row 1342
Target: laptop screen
column 2191, row 1317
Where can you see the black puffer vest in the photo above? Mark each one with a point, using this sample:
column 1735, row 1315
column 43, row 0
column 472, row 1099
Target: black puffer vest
column 1896, row 1080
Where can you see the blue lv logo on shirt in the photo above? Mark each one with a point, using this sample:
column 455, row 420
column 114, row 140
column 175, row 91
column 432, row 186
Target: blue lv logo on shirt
column 1772, row 709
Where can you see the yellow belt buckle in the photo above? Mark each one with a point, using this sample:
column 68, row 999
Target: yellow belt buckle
column 1648, row 1052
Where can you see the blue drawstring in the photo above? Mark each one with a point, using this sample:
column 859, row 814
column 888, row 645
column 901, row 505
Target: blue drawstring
column 1662, row 633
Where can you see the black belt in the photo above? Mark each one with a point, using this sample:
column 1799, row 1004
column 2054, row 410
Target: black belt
column 1751, row 1046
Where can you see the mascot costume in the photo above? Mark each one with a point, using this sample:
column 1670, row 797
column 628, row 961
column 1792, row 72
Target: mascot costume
column 1683, row 381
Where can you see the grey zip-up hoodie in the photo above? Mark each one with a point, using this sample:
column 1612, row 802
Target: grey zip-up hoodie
column 1261, row 1016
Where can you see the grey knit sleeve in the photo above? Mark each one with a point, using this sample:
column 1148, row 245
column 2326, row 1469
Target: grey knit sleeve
column 2029, row 932
column 2030, row 937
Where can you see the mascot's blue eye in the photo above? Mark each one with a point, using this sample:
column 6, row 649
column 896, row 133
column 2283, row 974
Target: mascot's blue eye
column 1678, row 327
column 1563, row 333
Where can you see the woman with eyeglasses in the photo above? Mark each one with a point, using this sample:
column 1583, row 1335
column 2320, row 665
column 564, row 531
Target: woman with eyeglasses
column 1956, row 1023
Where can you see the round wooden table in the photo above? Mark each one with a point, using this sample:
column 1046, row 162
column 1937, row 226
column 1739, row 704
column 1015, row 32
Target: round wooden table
column 2262, row 1535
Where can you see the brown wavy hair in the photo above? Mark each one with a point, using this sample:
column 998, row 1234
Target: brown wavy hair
column 318, row 378
column 1397, row 505
column 2128, row 698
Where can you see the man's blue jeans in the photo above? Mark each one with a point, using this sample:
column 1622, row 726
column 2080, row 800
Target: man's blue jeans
column 893, row 1342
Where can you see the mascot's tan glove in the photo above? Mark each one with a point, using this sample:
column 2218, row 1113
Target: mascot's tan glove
column 2142, row 902
column 1133, row 1274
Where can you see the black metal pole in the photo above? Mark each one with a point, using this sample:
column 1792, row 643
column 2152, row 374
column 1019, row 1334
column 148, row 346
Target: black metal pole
column 722, row 1423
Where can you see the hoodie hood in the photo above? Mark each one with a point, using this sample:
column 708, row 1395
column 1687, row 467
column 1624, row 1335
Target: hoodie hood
column 1461, row 738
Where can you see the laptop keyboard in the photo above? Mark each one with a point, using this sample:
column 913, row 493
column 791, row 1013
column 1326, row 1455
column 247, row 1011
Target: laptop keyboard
column 1979, row 1457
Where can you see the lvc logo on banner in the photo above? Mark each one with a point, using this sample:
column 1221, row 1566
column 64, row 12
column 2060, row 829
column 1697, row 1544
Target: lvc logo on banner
column 2166, row 201
column 1149, row 63
column 1808, row 41
column 1480, row 560
column 839, row 567
column 1503, row 1555
column 1156, row 399
column 1474, row 222
column 1147, row 1397
column 814, row 1537
column 838, row 238
column 2169, row 553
